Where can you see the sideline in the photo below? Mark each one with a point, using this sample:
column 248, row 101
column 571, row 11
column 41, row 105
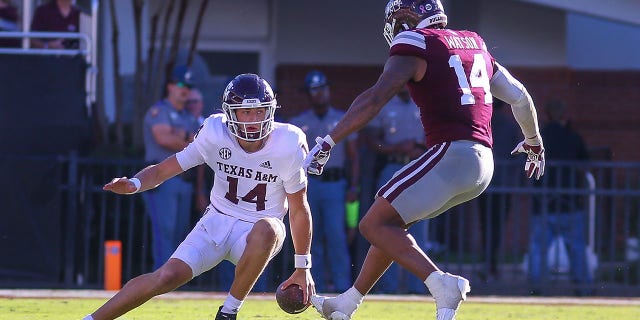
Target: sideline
column 102, row 294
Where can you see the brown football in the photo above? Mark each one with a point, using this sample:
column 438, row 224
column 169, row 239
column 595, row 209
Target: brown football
column 290, row 299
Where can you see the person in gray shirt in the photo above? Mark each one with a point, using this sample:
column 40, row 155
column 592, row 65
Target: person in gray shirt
column 329, row 192
column 168, row 128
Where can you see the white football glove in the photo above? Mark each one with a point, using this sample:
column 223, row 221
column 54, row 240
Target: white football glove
column 534, row 166
column 318, row 156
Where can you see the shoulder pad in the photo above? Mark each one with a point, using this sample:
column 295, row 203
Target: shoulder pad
column 410, row 37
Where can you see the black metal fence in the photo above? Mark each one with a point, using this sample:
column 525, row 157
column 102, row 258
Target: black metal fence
column 85, row 217
column 608, row 195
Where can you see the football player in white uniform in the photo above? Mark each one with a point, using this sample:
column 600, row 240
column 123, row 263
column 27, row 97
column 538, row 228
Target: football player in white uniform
column 258, row 178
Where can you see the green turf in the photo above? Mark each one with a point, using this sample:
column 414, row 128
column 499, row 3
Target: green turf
column 156, row 309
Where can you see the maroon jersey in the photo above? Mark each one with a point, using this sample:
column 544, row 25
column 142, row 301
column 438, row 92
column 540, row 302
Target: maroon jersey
column 48, row 17
column 454, row 95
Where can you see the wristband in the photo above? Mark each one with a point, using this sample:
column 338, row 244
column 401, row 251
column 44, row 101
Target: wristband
column 136, row 182
column 302, row 261
column 532, row 141
column 329, row 140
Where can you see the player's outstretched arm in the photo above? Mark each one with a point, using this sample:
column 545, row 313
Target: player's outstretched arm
column 123, row 185
column 148, row 178
column 505, row 87
column 508, row 89
column 301, row 232
column 398, row 70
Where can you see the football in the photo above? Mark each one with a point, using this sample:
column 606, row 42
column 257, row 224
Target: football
column 290, row 299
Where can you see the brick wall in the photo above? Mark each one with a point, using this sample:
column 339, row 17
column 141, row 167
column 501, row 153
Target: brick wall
column 604, row 105
column 346, row 83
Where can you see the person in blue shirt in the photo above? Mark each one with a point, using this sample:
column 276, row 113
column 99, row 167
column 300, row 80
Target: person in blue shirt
column 329, row 192
column 168, row 128
column 556, row 213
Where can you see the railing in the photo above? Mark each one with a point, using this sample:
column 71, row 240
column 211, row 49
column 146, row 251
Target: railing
column 93, row 216
column 87, row 49
column 611, row 196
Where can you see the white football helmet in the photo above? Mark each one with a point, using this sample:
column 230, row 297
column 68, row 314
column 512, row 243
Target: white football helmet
column 401, row 15
column 249, row 91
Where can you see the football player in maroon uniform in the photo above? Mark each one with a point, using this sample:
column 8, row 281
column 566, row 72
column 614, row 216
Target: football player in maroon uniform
column 452, row 78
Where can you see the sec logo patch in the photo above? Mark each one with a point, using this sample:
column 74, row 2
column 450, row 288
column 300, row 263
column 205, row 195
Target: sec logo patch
column 225, row 153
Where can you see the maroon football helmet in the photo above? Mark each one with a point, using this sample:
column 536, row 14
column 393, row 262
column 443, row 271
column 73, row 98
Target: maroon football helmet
column 249, row 91
column 401, row 15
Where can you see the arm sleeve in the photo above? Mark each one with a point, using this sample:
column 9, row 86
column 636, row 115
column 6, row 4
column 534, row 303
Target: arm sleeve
column 189, row 157
column 508, row 89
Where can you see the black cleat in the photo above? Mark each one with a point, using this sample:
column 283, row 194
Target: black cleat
column 224, row 316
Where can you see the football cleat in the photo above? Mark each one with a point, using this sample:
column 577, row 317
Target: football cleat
column 328, row 308
column 225, row 316
column 449, row 291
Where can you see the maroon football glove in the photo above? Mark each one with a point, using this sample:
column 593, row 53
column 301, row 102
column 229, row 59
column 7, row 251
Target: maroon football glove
column 319, row 155
column 534, row 166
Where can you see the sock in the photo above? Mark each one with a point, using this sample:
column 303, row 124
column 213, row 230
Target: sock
column 433, row 275
column 231, row 305
column 353, row 295
column 89, row 317
column 446, row 314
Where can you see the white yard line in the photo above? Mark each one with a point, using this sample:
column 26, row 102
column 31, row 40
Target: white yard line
column 101, row 294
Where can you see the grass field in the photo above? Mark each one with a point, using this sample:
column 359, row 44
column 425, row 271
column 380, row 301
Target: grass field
column 59, row 305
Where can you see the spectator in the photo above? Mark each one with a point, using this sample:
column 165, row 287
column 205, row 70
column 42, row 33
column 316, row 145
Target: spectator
column 8, row 22
column 56, row 16
column 195, row 104
column 494, row 206
column 202, row 182
column 168, row 128
column 329, row 193
column 257, row 163
column 396, row 134
column 452, row 78
column 556, row 213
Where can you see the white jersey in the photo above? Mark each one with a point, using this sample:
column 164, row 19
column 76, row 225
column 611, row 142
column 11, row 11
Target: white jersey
column 249, row 186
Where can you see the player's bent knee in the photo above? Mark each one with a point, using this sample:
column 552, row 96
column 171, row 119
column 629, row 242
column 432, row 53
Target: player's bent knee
column 370, row 226
column 266, row 233
column 173, row 274
column 366, row 228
